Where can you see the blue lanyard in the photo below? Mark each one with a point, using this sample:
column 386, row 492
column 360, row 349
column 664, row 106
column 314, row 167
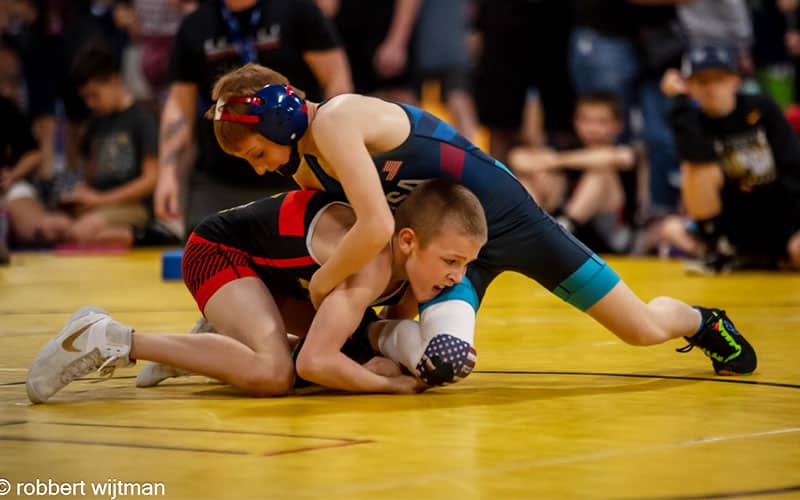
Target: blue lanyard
column 246, row 47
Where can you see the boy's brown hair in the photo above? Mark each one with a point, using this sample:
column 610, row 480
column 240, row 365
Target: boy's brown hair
column 244, row 81
column 95, row 61
column 601, row 98
column 438, row 203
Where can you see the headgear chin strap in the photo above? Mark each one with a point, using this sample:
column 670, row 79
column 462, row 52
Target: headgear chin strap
column 289, row 168
column 279, row 114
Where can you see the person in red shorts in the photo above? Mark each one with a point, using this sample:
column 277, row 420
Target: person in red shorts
column 248, row 269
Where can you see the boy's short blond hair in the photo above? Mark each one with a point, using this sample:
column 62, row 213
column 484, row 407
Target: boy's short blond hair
column 244, row 81
column 441, row 203
column 601, row 98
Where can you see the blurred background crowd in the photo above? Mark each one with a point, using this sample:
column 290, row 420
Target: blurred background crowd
column 568, row 94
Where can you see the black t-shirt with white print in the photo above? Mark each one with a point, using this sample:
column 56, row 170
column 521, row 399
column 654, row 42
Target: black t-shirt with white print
column 203, row 51
column 115, row 146
column 757, row 150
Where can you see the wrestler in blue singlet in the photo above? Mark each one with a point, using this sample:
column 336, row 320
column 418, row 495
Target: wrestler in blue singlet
column 522, row 237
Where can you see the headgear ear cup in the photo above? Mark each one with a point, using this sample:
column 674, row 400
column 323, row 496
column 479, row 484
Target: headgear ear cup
column 277, row 112
column 284, row 114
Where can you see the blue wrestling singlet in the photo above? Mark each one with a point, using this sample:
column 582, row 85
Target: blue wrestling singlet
column 522, row 237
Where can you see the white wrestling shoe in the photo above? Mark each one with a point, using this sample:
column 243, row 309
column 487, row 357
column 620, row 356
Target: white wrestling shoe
column 153, row 373
column 91, row 340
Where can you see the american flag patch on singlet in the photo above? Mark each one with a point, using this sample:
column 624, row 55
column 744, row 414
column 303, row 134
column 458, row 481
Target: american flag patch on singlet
column 391, row 167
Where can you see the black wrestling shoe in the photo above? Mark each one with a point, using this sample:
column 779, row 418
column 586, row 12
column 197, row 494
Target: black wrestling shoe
column 728, row 350
column 710, row 264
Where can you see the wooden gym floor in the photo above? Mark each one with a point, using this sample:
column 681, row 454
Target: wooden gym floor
column 558, row 407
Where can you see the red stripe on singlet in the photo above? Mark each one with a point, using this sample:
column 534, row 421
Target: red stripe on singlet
column 451, row 159
column 196, row 238
column 306, row 260
column 292, row 216
column 208, row 265
column 215, row 282
column 291, row 262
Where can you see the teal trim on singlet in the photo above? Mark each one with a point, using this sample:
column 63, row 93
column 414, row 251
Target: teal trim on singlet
column 460, row 291
column 590, row 283
column 503, row 167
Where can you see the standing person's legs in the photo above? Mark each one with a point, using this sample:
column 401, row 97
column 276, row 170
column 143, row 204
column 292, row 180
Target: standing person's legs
column 458, row 98
column 500, row 111
column 662, row 155
column 501, row 85
column 598, row 62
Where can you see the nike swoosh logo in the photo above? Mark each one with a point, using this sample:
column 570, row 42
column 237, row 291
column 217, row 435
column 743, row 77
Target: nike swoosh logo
column 67, row 343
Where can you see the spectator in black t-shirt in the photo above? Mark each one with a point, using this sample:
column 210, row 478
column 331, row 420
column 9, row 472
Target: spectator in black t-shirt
column 120, row 155
column 740, row 164
column 292, row 36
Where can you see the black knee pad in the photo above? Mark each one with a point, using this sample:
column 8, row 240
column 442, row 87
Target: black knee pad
column 357, row 346
column 446, row 360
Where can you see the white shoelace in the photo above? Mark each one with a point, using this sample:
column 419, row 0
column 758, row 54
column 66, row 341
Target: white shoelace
column 80, row 367
column 86, row 364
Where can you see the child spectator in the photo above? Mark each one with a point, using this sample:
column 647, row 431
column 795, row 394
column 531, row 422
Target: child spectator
column 19, row 156
column 582, row 187
column 25, row 219
column 119, row 153
column 740, row 165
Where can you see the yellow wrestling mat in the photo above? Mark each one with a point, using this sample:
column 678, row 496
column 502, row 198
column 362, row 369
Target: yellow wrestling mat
column 558, row 407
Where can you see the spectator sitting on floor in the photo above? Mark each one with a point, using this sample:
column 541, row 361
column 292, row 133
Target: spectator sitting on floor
column 25, row 222
column 582, row 187
column 740, row 165
column 119, row 153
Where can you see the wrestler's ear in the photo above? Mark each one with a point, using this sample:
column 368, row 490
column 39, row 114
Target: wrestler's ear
column 407, row 240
